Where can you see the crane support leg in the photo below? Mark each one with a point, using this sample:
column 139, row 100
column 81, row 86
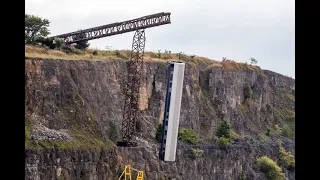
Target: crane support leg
column 132, row 89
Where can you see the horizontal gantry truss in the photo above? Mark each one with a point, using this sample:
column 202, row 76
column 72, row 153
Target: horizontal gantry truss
column 116, row 28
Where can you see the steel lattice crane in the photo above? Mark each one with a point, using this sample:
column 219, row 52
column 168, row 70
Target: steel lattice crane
column 135, row 64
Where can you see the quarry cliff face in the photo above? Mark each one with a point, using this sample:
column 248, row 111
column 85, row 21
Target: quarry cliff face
column 74, row 110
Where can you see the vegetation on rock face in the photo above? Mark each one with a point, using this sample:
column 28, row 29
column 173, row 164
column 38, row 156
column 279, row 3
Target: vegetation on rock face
column 84, row 134
column 113, row 134
column 223, row 142
column 223, row 130
column 234, row 135
column 270, row 168
column 268, row 132
column 247, row 91
column 196, row 152
column 277, row 129
column 243, row 175
column 284, row 112
column 158, row 133
column 27, row 130
column 188, row 135
column 286, row 158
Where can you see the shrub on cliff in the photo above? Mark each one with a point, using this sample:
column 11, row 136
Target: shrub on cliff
column 247, row 91
column 188, row 135
column 223, row 130
column 195, row 153
column 223, row 142
column 158, row 133
column 243, row 175
column 286, row 158
column 270, row 168
column 113, row 134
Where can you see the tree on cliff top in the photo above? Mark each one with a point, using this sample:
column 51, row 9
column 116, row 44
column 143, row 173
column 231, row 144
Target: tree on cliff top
column 35, row 28
column 253, row 61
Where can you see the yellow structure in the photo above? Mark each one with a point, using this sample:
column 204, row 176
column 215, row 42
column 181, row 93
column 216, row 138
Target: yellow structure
column 127, row 173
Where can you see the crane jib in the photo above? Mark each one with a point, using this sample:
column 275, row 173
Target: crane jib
column 116, row 28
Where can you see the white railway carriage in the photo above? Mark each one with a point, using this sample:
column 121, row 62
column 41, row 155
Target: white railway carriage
column 170, row 124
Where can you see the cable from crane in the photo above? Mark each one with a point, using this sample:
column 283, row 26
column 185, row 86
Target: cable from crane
column 132, row 89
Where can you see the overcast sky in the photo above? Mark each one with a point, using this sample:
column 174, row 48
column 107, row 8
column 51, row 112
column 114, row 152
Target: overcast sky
column 236, row 29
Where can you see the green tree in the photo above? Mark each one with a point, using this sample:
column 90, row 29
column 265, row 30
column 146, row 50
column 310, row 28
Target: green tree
column 35, row 28
column 253, row 61
column 223, row 130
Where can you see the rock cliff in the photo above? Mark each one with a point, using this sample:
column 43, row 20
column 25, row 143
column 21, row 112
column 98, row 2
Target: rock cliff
column 73, row 111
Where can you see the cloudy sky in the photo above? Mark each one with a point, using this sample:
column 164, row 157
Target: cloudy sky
column 236, row 29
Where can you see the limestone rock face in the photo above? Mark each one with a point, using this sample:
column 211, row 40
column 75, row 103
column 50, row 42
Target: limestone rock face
column 64, row 97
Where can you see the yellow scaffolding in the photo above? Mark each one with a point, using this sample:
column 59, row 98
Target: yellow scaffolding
column 127, row 173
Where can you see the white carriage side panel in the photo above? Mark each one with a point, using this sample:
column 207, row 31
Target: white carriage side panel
column 174, row 112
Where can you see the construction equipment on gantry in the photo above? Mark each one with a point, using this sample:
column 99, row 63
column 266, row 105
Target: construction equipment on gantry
column 135, row 65
column 127, row 173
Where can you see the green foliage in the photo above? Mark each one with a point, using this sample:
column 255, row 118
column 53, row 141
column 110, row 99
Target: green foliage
column 253, row 61
column 117, row 53
column 205, row 93
column 243, row 175
column 35, row 28
column 268, row 132
column 82, row 45
column 95, row 52
column 287, row 131
column 113, row 134
column 46, row 41
column 27, row 130
column 223, row 130
column 120, row 170
column 58, row 42
column 270, row 168
column 223, row 142
column 158, row 133
column 188, row 135
column 195, row 152
column 233, row 134
column 284, row 114
column 286, row 158
column 244, row 108
column 263, row 137
column 277, row 129
column 247, row 91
